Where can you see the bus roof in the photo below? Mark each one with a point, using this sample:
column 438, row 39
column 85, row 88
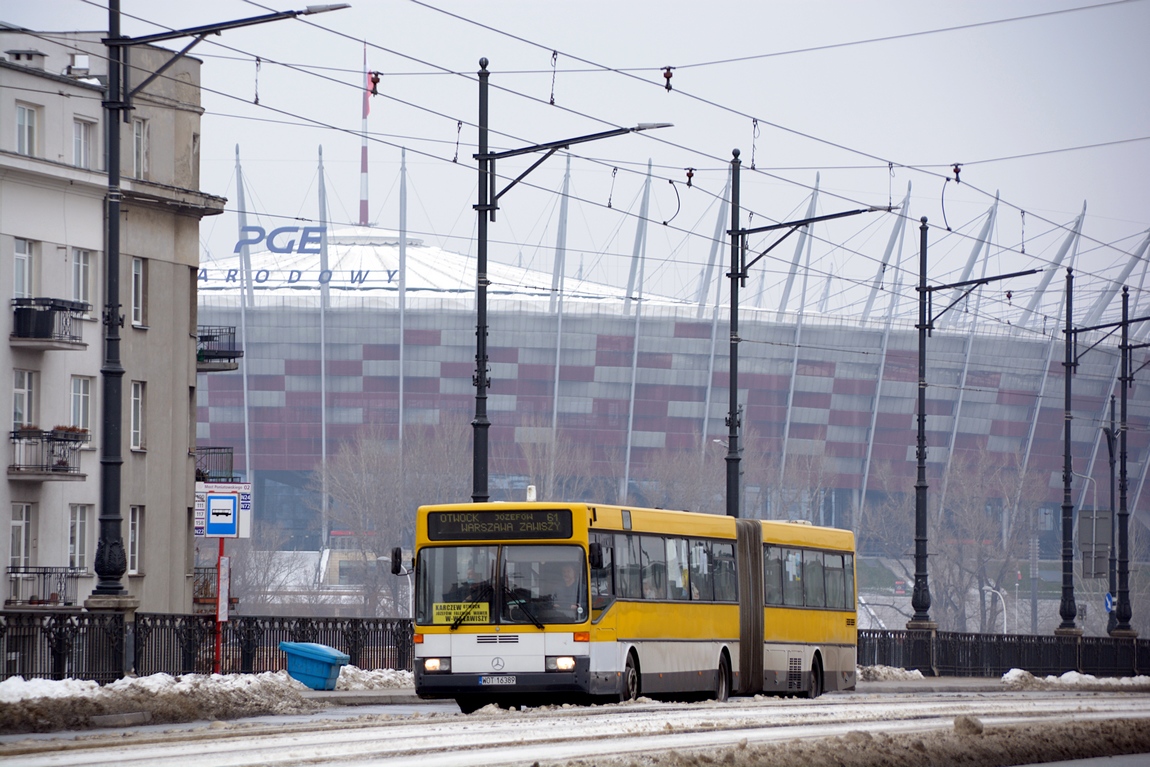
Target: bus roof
column 588, row 517
column 806, row 534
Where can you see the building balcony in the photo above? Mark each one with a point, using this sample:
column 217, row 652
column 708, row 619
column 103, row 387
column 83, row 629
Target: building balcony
column 206, row 590
column 42, row 455
column 49, row 587
column 214, row 464
column 216, row 349
column 47, row 323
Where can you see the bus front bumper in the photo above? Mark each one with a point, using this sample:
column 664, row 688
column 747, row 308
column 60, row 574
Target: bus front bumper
column 498, row 685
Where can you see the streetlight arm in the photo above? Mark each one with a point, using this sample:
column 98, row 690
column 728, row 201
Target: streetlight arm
column 970, row 285
column 522, row 175
column 792, row 226
column 209, row 29
column 565, row 143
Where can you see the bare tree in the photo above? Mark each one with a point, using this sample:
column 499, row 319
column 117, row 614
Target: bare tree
column 559, row 469
column 980, row 537
column 688, row 479
column 262, row 570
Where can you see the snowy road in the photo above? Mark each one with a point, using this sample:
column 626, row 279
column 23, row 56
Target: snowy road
column 556, row 735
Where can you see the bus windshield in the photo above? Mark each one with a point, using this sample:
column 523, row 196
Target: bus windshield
column 524, row 584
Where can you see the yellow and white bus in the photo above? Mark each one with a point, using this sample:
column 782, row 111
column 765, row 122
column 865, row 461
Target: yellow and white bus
column 519, row 603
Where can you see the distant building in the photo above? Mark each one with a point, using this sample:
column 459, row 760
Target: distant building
column 53, row 185
column 633, row 379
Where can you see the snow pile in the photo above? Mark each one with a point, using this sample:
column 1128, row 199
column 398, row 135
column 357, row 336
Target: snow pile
column 38, row 705
column 886, row 674
column 42, row 705
column 1017, row 679
column 353, row 678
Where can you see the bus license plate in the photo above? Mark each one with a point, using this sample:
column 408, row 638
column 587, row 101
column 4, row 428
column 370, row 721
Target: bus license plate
column 486, row 680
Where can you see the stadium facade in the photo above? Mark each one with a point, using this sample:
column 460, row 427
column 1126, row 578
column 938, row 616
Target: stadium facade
column 357, row 326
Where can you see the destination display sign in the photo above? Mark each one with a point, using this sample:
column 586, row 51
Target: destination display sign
column 480, row 525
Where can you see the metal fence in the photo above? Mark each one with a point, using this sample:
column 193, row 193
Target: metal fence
column 987, row 655
column 61, row 645
column 92, row 645
column 95, row 646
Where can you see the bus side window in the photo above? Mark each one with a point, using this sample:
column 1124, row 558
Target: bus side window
column 701, row 584
column 814, row 579
column 793, row 577
column 833, row 566
column 725, row 574
column 628, row 581
column 602, row 579
column 849, row 579
column 654, row 553
column 677, row 567
column 773, row 575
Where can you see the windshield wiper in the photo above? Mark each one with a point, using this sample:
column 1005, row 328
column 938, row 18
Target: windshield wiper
column 522, row 606
column 485, row 592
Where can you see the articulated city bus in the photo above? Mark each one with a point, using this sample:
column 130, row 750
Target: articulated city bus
column 520, row 603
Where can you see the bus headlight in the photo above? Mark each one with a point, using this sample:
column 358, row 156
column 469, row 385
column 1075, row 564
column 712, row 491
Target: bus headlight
column 560, row 663
column 436, row 665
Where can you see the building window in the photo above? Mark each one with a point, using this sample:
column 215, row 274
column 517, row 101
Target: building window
column 22, row 275
column 82, row 402
column 195, row 162
column 139, row 148
column 135, row 535
column 21, row 552
column 82, row 275
column 78, row 535
column 82, row 132
column 23, row 398
column 139, row 291
column 26, row 120
column 138, row 412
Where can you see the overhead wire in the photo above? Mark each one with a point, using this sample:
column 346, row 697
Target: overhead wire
column 886, row 162
column 321, row 124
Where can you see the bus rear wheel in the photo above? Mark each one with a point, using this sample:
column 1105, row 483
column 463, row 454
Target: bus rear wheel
column 723, row 682
column 630, row 687
column 816, row 687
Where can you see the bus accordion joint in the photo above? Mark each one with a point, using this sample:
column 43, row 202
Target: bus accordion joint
column 581, row 636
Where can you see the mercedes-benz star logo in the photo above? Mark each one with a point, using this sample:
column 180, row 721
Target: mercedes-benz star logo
column 497, row 664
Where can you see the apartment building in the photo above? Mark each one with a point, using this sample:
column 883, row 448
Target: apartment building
column 53, row 185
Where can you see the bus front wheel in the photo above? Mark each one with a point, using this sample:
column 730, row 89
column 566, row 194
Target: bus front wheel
column 816, row 688
column 630, row 686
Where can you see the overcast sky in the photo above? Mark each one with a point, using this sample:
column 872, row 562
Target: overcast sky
column 1042, row 101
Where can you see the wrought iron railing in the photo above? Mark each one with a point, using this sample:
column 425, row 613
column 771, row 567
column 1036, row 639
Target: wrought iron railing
column 47, row 319
column 83, row 645
column 186, row 643
column 217, row 343
column 43, row 586
column 946, row 653
column 214, row 464
column 38, row 451
column 59, row 645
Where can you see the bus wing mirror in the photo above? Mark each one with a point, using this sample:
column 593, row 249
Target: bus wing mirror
column 397, row 561
column 595, row 555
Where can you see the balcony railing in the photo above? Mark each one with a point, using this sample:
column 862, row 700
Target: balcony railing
column 43, row 586
column 46, row 453
column 216, row 348
column 206, row 588
column 214, row 464
column 47, row 323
